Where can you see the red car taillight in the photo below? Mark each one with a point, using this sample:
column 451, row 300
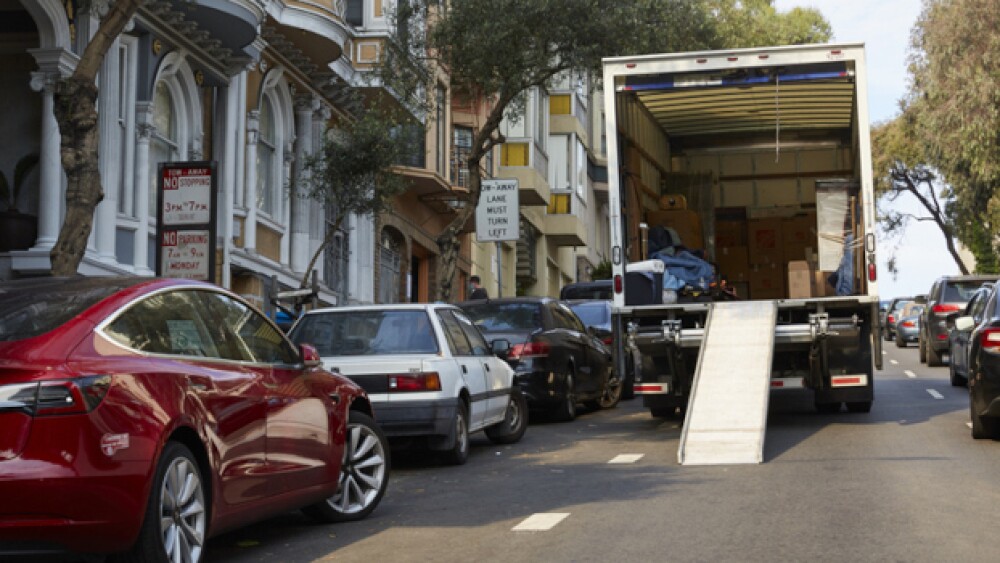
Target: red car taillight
column 412, row 382
column 606, row 340
column 946, row 308
column 989, row 339
column 909, row 324
column 64, row 396
column 891, row 319
column 528, row 349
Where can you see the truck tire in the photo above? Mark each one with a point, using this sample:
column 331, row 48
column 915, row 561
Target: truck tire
column 933, row 356
column 859, row 406
column 828, row 408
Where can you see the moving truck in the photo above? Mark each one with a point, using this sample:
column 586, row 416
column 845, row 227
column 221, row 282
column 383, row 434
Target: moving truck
column 743, row 236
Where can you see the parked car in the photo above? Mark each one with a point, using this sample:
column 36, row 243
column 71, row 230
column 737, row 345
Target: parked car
column 557, row 360
column 948, row 294
column 597, row 289
column 958, row 339
column 907, row 324
column 596, row 315
column 428, row 371
column 891, row 316
column 984, row 367
column 146, row 415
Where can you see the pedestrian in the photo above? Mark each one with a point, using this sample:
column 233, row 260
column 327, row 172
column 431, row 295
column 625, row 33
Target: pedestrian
column 478, row 291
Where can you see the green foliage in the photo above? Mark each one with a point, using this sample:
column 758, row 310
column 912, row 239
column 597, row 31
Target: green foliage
column 756, row 23
column 10, row 193
column 981, row 246
column 352, row 172
column 602, row 271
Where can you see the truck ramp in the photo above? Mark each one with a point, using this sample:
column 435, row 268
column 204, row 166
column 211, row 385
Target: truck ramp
column 727, row 410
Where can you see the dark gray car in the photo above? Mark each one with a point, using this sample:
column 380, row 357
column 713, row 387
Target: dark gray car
column 949, row 294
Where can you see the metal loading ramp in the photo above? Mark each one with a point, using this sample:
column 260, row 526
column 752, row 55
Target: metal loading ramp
column 727, row 410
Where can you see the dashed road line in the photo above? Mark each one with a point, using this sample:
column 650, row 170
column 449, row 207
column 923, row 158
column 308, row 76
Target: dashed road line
column 910, row 374
column 935, row 394
column 894, row 362
column 540, row 522
column 626, row 458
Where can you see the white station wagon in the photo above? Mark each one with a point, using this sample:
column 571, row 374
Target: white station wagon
column 427, row 369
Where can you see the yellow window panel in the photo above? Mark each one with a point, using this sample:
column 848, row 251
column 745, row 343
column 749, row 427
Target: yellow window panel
column 559, row 204
column 514, row 154
column 560, row 104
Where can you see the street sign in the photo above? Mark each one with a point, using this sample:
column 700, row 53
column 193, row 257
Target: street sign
column 186, row 220
column 498, row 213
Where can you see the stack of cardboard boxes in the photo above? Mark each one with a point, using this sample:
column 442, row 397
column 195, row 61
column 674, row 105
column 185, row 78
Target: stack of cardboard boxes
column 769, row 257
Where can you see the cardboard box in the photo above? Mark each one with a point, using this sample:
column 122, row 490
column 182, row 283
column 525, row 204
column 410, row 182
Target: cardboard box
column 673, row 201
column 767, row 281
column 732, row 262
column 798, row 234
column 730, row 233
column 776, row 211
column 764, row 240
column 684, row 221
column 800, row 280
column 822, row 287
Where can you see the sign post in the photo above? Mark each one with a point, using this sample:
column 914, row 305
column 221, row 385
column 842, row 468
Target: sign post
column 186, row 220
column 498, row 217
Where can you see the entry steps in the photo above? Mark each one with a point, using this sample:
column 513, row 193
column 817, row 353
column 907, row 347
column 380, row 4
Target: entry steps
column 727, row 411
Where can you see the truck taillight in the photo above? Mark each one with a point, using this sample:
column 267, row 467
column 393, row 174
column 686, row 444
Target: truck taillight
column 891, row 320
column 871, row 272
column 618, row 284
column 989, row 339
column 63, row 396
column 528, row 349
column 411, row 382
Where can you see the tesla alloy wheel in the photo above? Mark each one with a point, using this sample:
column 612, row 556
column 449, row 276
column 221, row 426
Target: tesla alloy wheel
column 364, row 473
column 176, row 518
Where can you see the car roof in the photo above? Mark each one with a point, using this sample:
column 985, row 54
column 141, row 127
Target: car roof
column 383, row 307
column 508, row 300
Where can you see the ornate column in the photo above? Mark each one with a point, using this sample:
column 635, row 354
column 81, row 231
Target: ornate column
column 50, row 174
column 143, row 132
column 250, row 199
column 110, row 156
column 317, row 210
column 287, row 158
column 305, row 105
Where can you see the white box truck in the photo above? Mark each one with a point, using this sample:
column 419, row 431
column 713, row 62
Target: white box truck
column 748, row 173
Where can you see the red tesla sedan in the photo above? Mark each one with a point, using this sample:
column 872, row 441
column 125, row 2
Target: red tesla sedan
column 146, row 415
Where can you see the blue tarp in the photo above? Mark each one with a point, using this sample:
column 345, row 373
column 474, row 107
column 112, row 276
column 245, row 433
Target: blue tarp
column 684, row 269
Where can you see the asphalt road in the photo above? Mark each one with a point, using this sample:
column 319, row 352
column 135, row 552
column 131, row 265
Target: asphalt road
column 905, row 482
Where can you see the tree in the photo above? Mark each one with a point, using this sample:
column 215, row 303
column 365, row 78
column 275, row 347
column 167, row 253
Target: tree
column 503, row 48
column 76, row 113
column 755, row 23
column 898, row 160
column 352, row 172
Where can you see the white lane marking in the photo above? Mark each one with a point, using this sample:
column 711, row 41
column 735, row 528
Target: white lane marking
column 910, row 374
column 935, row 394
column 540, row 522
column 626, row 458
column 894, row 362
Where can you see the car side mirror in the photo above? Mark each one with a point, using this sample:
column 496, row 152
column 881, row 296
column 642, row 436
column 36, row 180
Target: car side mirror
column 921, row 299
column 965, row 323
column 500, row 347
column 310, row 356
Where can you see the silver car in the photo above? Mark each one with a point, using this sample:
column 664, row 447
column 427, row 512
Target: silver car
column 907, row 327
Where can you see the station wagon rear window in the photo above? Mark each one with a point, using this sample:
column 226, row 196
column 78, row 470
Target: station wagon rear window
column 367, row 333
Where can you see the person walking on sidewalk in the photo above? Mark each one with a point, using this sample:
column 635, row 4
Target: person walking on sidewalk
column 478, row 291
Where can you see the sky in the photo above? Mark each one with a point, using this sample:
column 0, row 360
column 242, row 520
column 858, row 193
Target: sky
column 884, row 27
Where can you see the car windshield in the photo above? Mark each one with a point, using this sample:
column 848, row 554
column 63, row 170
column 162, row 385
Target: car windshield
column 27, row 311
column 367, row 333
column 960, row 292
column 899, row 306
column 592, row 314
column 498, row 317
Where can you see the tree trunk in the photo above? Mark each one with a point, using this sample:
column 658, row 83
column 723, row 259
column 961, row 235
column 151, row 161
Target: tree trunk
column 76, row 114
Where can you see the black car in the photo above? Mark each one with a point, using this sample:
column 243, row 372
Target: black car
column 958, row 339
column 558, row 362
column 984, row 368
column 892, row 317
column 949, row 294
column 597, row 289
column 596, row 315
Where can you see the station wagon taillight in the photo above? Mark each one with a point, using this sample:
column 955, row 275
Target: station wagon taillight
column 64, row 396
column 412, row 382
column 989, row 339
column 528, row 349
column 946, row 308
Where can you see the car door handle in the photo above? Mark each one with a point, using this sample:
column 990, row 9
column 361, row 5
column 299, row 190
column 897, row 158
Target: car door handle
column 486, row 367
column 335, row 397
column 197, row 386
column 465, row 369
